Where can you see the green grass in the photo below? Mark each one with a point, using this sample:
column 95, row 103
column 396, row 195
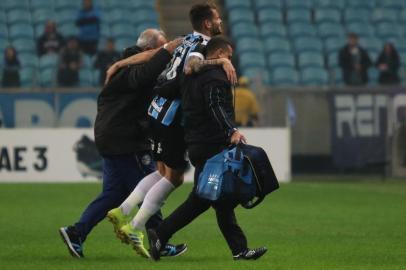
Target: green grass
column 306, row 225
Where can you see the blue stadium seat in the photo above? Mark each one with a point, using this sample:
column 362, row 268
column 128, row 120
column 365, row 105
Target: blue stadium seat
column 362, row 29
column 255, row 73
column 142, row 26
column 3, row 45
column 67, row 4
column 395, row 4
column 252, row 59
column 372, row 45
column 96, row 76
column 16, row 16
column 24, row 45
column 336, row 76
column 400, row 44
column 105, row 31
column 270, row 15
column 310, row 59
column 284, row 59
column 298, row 16
column 249, row 45
column 385, row 15
column 240, row 15
column 327, row 15
column 302, row 44
column 87, row 61
column 21, row 30
column 41, row 16
column 300, row 4
column 41, row 4
column 332, row 60
column 402, row 56
column 114, row 4
column 68, row 29
column 47, row 77
column 272, row 30
column 3, row 17
column 244, row 29
column 139, row 4
column 284, row 76
column 27, row 76
column 39, row 30
column 144, row 15
column 337, row 4
column 402, row 16
column 276, row 44
column 313, row 76
column 389, row 30
column 364, row 4
column 302, row 30
column 356, row 15
column 66, row 16
column 85, row 77
column 373, row 75
column 48, row 61
column 3, row 32
column 122, row 43
column 264, row 4
column 328, row 29
column 15, row 4
column 119, row 16
column 28, row 60
column 123, row 30
column 230, row 4
column 333, row 44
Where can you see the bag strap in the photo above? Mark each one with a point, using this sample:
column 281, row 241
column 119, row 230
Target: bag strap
column 251, row 204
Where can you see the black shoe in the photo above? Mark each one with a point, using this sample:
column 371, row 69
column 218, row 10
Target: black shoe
column 154, row 245
column 251, row 254
column 72, row 240
column 172, row 250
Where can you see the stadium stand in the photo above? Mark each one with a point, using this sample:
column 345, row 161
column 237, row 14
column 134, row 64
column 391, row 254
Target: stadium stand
column 22, row 22
column 303, row 37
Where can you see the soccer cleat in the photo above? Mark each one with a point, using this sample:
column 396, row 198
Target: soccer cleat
column 251, row 254
column 135, row 238
column 154, row 245
column 72, row 240
column 172, row 250
column 118, row 219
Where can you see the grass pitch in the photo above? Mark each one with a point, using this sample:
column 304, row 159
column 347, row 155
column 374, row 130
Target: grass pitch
column 305, row 225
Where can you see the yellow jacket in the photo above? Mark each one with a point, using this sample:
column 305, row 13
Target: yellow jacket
column 246, row 106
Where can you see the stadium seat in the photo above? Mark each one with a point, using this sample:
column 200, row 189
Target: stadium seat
column 122, row 43
column 371, row 44
column 244, row 29
column 24, row 45
column 96, row 76
column 327, row 15
column 68, row 29
column 328, row 29
column 302, row 44
column 388, row 30
column 332, row 60
column 402, row 16
column 114, row 4
column 41, row 4
column 105, row 31
column 230, row 4
column 395, row 4
column 298, row 16
column 310, row 59
column 66, row 16
column 28, row 60
column 41, row 16
column 139, row 4
column 47, row 77
column 336, row 76
column 284, row 76
column 264, row 4
column 255, row 73
column 27, row 76
column 3, row 32
column 144, row 15
column 356, row 15
column 87, row 61
column 302, row 30
column 364, row 4
column 123, row 30
column 336, row 4
column 362, row 29
column 385, row 15
column 240, row 15
column 313, row 76
column 333, row 44
column 3, row 45
column 67, row 4
column 270, row 15
column 48, row 61
column 276, row 44
column 118, row 15
column 3, row 17
column 144, row 25
column 300, row 4
column 373, row 75
column 21, row 30
column 249, row 45
column 272, row 30
column 400, row 44
column 17, row 16
column 285, row 59
column 85, row 77
column 15, row 4
column 252, row 59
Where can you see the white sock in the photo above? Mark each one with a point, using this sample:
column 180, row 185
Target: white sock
column 154, row 199
column 139, row 192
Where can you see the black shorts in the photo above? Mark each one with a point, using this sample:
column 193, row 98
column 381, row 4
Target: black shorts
column 168, row 145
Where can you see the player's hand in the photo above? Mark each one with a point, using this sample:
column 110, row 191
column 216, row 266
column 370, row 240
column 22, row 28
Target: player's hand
column 111, row 71
column 237, row 137
column 173, row 44
column 230, row 71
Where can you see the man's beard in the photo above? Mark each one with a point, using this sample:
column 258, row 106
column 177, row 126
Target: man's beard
column 216, row 31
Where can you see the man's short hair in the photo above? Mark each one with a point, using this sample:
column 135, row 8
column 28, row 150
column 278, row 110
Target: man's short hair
column 217, row 42
column 199, row 13
column 149, row 38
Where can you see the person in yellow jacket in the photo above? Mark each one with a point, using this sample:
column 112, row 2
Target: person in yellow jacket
column 246, row 104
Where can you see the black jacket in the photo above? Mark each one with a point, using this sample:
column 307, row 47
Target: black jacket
column 121, row 121
column 207, row 103
column 389, row 76
column 345, row 60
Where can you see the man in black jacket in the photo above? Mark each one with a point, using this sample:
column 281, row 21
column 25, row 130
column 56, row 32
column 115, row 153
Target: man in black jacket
column 121, row 136
column 207, row 103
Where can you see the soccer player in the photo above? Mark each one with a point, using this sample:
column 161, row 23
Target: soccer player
column 207, row 104
column 168, row 138
column 121, row 138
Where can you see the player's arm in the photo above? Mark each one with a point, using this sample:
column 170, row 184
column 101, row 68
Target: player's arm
column 215, row 99
column 195, row 63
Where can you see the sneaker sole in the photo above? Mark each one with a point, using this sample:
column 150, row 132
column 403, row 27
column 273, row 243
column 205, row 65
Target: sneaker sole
column 124, row 238
column 68, row 243
column 116, row 229
column 180, row 253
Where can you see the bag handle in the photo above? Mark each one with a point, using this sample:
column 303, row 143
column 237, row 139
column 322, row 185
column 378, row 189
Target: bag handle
column 251, row 204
